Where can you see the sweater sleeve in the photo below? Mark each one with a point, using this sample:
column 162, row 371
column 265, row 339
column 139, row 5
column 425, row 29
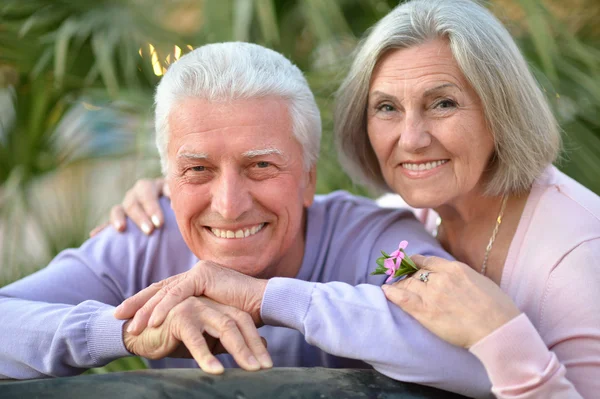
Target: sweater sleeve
column 358, row 322
column 563, row 361
column 58, row 321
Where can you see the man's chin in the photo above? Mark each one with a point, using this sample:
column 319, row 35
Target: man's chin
column 241, row 263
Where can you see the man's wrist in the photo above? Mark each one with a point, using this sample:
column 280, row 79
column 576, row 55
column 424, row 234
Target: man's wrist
column 128, row 338
column 259, row 293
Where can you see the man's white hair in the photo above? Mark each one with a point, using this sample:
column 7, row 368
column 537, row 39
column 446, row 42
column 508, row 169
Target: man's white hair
column 237, row 71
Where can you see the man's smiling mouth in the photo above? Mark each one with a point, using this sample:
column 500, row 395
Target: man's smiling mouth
column 240, row 233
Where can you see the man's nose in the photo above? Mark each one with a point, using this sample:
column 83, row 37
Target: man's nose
column 414, row 134
column 231, row 197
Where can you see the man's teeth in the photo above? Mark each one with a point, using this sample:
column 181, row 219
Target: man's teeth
column 237, row 234
column 423, row 166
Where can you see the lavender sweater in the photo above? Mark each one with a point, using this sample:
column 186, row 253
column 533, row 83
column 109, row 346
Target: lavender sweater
column 59, row 322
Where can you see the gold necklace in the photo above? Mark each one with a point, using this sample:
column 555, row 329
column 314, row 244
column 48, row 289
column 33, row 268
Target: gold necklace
column 492, row 238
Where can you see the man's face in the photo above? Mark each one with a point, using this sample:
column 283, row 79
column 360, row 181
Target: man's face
column 238, row 186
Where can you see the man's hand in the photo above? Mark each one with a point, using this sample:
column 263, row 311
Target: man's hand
column 150, row 306
column 200, row 328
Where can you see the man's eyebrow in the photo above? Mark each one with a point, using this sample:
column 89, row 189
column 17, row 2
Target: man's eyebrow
column 429, row 92
column 192, row 155
column 261, row 152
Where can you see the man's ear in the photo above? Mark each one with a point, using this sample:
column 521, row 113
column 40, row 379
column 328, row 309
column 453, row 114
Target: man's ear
column 311, row 186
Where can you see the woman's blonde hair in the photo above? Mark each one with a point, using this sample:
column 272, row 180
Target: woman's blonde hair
column 526, row 134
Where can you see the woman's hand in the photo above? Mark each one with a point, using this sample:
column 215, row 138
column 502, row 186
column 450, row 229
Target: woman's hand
column 140, row 205
column 455, row 302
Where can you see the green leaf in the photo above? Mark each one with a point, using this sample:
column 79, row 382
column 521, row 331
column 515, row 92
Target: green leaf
column 268, row 21
column 380, row 261
column 67, row 30
column 385, row 254
column 403, row 271
column 242, row 17
column 408, row 262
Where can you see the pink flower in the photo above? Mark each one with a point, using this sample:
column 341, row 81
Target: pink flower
column 398, row 253
column 390, row 265
column 396, row 264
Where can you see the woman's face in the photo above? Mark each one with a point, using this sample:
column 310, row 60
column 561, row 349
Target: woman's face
column 427, row 126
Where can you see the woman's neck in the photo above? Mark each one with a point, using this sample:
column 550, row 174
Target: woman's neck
column 467, row 225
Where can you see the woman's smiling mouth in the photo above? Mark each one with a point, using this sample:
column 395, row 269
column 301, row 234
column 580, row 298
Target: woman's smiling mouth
column 423, row 165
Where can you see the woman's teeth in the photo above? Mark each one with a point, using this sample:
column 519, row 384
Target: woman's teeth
column 424, row 166
column 238, row 233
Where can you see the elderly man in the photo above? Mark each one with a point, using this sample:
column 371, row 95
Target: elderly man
column 238, row 133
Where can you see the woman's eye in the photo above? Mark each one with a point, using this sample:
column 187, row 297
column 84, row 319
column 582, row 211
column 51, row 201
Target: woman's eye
column 445, row 104
column 386, row 108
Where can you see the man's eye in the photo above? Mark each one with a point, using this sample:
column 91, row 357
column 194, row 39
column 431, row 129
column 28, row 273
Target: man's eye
column 198, row 168
column 263, row 164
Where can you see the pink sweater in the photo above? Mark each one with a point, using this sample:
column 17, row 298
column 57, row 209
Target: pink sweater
column 552, row 273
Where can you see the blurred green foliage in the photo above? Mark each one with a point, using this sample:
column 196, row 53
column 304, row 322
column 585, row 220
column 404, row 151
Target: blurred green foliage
column 64, row 60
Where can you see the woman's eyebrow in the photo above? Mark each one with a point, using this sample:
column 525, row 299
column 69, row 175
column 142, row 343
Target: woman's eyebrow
column 382, row 95
column 431, row 91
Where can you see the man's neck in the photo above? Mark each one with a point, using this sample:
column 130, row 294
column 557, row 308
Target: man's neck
column 290, row 264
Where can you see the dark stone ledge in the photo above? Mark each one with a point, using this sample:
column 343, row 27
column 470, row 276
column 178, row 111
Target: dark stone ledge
column 286, row 383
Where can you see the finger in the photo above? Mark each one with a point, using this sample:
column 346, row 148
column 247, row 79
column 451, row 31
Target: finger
column 412, row 283
column 144, row 314
column 131, row 305
column 98, row 229
column 166, row 190
column 139, row 216
column 118, row 218
column 191, row 336
column 226, row 329
column 408, row 301
column 148, row 197
column 169, row 296
column 255, row 342
column 432, row 263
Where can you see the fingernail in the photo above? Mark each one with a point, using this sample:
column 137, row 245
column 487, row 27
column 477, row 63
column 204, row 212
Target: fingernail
column 155, row 220
column 130, row 327
column 265, row 361
column 118, row 309
column 252, row 362
column 151, row 321
column 385, row 287
column 145, row 228
column 118, row 226
column 215, row 366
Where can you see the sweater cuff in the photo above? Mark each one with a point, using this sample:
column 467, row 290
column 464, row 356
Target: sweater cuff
column 516, row 343
column 104, row 335
column 286, row 302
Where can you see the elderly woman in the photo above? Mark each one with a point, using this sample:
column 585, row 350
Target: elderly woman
column 440, row 107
